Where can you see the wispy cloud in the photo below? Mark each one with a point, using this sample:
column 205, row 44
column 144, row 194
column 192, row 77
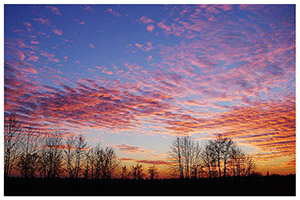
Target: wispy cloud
column 57, row 31
column 150, row 162
column 54, row 10
column 131, row 149
column 111, row 11
column 42, row 20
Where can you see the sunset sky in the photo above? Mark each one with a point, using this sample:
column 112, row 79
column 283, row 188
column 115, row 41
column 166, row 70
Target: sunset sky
column 135, row 76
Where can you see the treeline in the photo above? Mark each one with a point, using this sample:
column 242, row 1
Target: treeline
column 220, row 157
column 50, row 155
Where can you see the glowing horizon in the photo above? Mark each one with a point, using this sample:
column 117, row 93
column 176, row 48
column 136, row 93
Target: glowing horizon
column 134, row 76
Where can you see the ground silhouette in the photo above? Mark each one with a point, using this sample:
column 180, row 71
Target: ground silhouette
column 231, row 186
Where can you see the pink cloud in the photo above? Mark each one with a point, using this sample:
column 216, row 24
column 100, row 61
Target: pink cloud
column 113, row 12
column 211, row 19
column 226, row 7
column 150, row 28
column 88, row 8
column 21, row 43
column 50, row 56
column 54, row 10
column 33, row 58
column 164, row 27
column 57, row 31
column 79, row 22
column 147, row 47
column 30, row 70
column 28, row 26
column 146, row 20
column 91, row 46
column 34, row 42
column 42, row 20
column 212, row 9
column 20, row 54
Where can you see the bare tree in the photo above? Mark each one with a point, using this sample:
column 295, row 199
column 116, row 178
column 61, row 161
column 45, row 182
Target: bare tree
column 241, row 164
column 74, row 152
column 222, row 154
column 186, row 155
column 70, row 156
column 89, row 164
column 29, row 152
column 101, row 163
column 187, row 149
column 215, row 147
column 209, row 160
column 124, row 172
column 219, row 151
column 176, row 154
column 226, row 153
column 137, row 172
column 12, row 135
column 196, row 160
column 110, row 163
column 51, row 155
column 250, row 165
column 98, row 157
column 153, row 172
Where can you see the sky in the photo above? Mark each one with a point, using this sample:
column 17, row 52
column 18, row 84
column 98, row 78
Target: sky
column 133, row 77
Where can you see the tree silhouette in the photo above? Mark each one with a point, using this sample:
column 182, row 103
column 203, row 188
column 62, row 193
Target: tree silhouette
column 29, row 147
column 186, row 155
column 153, row 172
column 124, row 172
column 218, row 157
column 220, row 150
column 223, row 154
column 51, row 155
column 74, row 152
column 110, row 163
column 137, row 172
column 101, row 163
column 12, row 139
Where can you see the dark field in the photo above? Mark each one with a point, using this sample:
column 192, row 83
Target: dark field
column 246, row 186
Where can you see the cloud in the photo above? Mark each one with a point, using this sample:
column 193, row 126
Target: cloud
column 79, row 21
column 30, row 70
column 57, row 31
column 146, row 20
column 150, row 28
column 91, row 46
column 130, row 149
column 28, row 26
column 54, row 10
column 150, row 162
column 147, row 47
column 88, row 8
column 42, row 20
column 164, row 27
column 113, row 12
column 50, row 56
column 34, row 42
